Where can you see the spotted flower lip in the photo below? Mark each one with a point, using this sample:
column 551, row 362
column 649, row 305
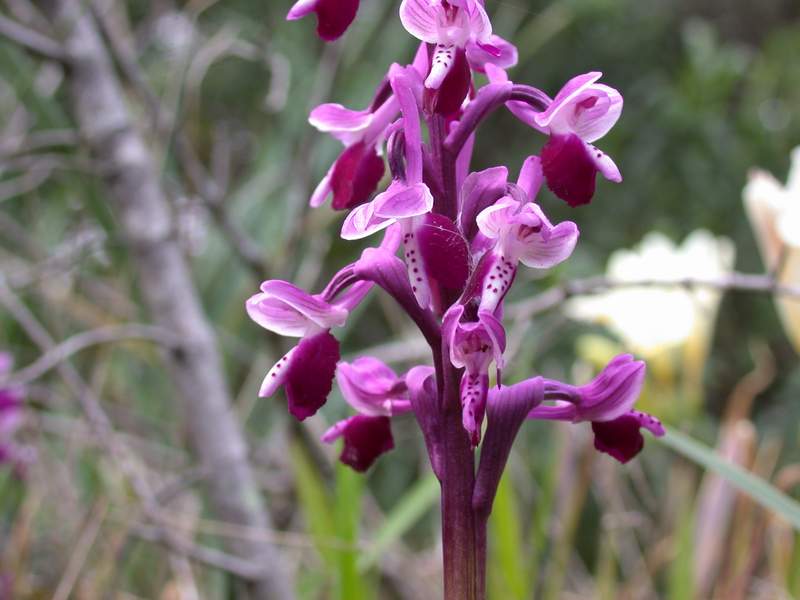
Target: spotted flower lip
column 306, row 373
column 473, row 345
column 333, row 16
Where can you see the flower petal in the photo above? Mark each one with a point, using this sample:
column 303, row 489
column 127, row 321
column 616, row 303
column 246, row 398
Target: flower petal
column 401, row 201
column 333, row 16
column 340, row 121
column 569, row 169
column 362, row 221
column 480, row 190
column 355, row 176
column 496, row 51
column 542, row 252
column 372, row 388
column 531, row 176
column 309, row 374
column 365, row 439
column 621, row 437
column 566, row 95
column 444, row 252
column 420, row 19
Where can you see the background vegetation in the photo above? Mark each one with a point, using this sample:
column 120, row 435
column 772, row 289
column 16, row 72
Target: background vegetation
column 711, row 90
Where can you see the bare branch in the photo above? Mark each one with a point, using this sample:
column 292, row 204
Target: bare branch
column 87, row 339
column 743, row 282
column 145, row 218
column 31, row 40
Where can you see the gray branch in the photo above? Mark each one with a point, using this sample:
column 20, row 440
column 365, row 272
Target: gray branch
column 143, row 213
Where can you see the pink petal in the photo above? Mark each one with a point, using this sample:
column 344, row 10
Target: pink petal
column 401, row 201
column 337, row 119
column 420, row 18
column 497, row 52
column 531, row 176
column 320, row 312
column 362, row 222
column 571, row 90
column 276, row 376
column 603, row 162
column 479, row 191
column 541, row 253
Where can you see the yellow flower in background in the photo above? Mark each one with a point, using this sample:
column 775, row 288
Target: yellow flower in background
column 670, row 327
column 774, row 213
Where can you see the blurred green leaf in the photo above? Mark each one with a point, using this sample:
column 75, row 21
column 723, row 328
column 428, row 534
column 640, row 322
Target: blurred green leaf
column 507, row 553
column 759, row 490
column 315, row 502
column 681, row 576
column 419, row 499
column 349, row 484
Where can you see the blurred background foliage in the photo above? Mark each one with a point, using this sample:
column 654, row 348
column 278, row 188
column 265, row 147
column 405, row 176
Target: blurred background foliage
column 711, row 90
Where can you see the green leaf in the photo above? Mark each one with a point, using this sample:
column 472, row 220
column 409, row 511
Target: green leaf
column 759, row 490
column 350, row 584
column 316, row 502
column 409, row 510
column 507, row 554
column 681, row 576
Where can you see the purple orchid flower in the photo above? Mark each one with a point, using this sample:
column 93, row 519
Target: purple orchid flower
column 333, row 16
column 582, row 112
column 307, row 370
column 461, row 35
column 520, row 232
column 377, row 393
column 607, row 402
column 473, row 345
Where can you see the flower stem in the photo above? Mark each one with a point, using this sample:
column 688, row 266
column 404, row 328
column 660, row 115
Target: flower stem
column 459, row 533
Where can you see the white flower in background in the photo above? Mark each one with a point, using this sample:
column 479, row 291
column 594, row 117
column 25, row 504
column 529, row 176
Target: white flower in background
column 652, row 319
column 774, row 213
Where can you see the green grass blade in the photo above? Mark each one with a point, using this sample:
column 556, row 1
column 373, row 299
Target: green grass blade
column 759, row 490
column 506, row 552
column 316, row 502
column 350, row 584
column 408, row 510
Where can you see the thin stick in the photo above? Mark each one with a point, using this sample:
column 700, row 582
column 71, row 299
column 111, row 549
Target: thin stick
column 31, row 40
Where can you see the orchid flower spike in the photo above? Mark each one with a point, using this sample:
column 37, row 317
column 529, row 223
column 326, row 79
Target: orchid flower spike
column 473, row 345
column 333, row 16
column 607, row 401
column 521, row 233
column 461, row 34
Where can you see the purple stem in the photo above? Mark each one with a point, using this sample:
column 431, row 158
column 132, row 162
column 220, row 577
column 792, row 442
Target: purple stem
column 459, row 533
column 447, row 203
column 489, row 98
